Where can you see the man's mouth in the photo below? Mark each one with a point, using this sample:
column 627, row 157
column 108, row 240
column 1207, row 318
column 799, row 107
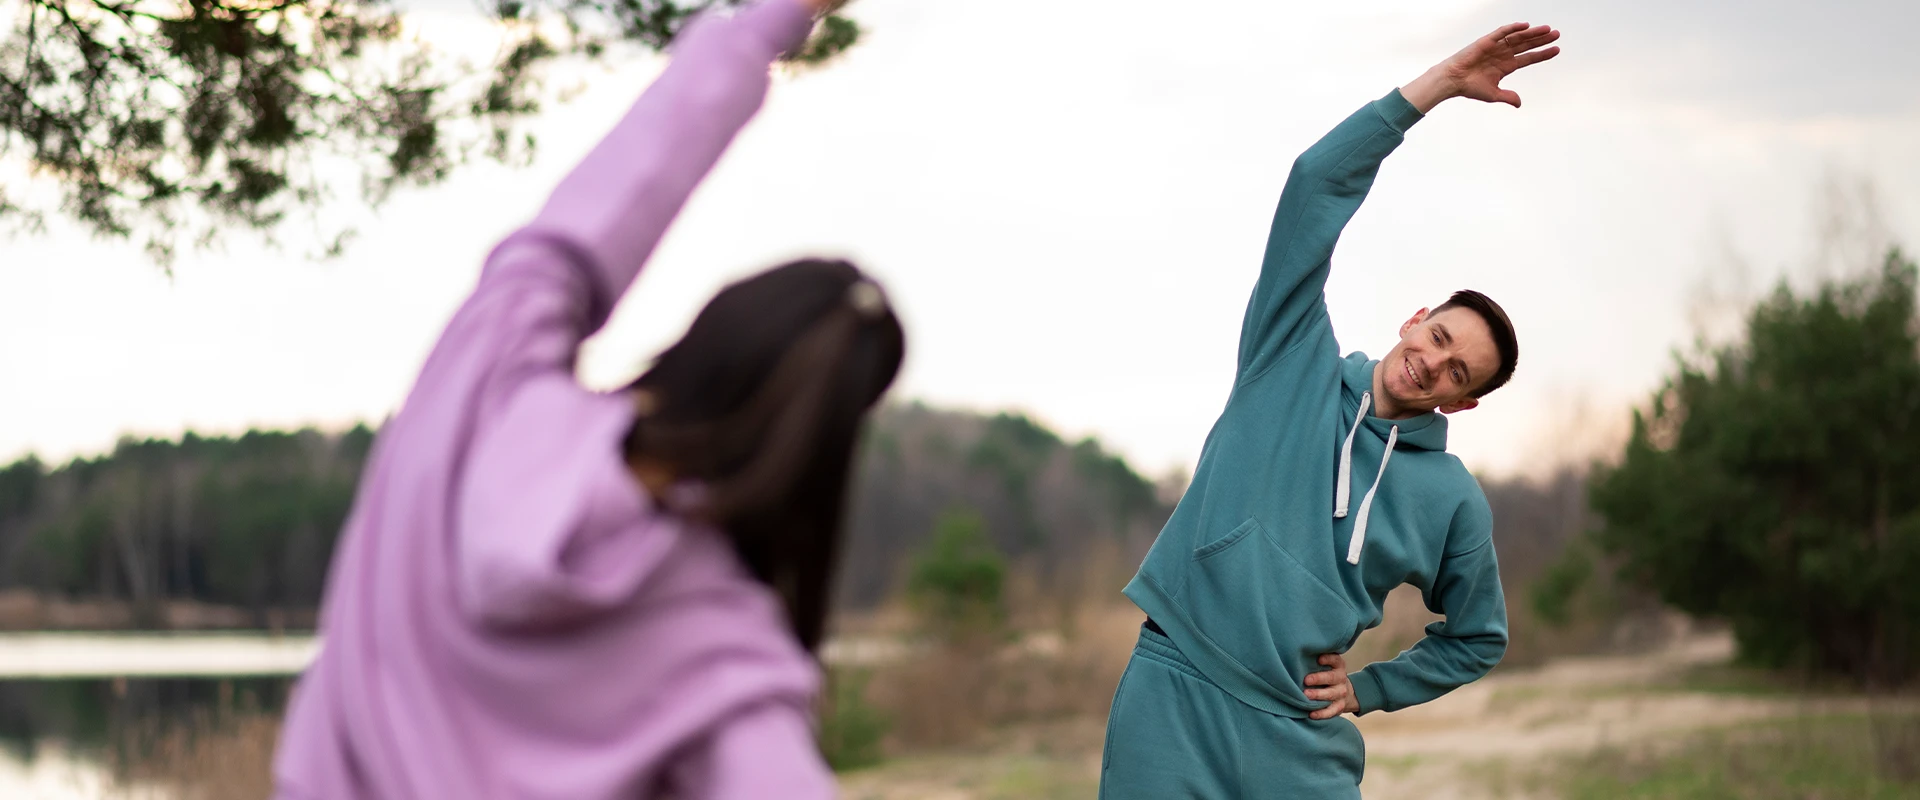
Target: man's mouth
column 1408, row 364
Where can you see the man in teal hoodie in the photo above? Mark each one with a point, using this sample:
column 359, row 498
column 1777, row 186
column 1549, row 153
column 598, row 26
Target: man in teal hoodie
column 1324, row 485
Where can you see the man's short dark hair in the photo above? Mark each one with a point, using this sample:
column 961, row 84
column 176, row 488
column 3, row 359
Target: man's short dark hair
column 1503, row 336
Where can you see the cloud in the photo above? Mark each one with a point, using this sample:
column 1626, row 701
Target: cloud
column 1777, row 60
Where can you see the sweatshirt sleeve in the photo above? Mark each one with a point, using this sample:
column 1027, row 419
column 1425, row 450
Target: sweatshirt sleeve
column 608, row 214
column 766, row 752
column 545, row 508
column 1464, row 646
column 1325, row 188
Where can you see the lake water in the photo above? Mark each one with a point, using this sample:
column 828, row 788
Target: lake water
column 73, row 704
column 70, row 704
column 58, row 735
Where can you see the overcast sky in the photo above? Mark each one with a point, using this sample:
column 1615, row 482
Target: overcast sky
column 1068, row 202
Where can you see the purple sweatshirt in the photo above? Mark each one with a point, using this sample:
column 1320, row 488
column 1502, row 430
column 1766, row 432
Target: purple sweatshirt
column 508, row 614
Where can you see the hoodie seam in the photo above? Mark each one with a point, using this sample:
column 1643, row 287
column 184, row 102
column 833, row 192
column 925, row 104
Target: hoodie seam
column 1326, row 178
column 1278, row 705
column 535, row 240
column 1379, row 690
column 1404, row 104
column 1318, row 187
column 1222, row 651
column 1336, row 593
column 1286, row 354
column 1469, row 551
column 1153, row 653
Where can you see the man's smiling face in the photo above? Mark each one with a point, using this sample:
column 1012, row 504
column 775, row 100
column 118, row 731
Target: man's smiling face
column 1441, row 358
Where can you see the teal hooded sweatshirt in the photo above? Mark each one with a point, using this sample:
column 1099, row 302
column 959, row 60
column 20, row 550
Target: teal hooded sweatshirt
column 1305, row 509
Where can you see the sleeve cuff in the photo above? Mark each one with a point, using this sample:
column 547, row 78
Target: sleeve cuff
column 1367, row 691
column 785, row 24
column 1398, row 113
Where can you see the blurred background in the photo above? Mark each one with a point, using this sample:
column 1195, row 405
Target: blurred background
column 236, row 227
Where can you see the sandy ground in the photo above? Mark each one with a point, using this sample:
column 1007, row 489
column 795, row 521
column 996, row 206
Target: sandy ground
column 1439, row 751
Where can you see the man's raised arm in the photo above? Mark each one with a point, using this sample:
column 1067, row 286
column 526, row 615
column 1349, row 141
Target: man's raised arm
column 1323, row 191
column 1332, row 178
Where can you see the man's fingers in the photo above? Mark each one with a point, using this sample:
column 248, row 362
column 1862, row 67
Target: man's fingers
column 1507, row 30
column 1524, row 44
column 1537, row 56
column 1323, row 678
column 1530, row 40
column 1334, row 710
column 1509, row 97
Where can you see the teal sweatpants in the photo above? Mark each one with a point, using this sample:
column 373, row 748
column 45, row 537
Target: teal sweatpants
column 1174, row 735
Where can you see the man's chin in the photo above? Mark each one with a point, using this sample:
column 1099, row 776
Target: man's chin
column 1419, row 404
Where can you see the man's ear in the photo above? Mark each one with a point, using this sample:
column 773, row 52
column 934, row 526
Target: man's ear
column 1417, row 318
column 1462, row 404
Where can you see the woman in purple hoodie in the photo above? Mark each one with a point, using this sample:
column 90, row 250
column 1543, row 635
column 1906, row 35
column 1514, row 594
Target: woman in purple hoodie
column 546, row 592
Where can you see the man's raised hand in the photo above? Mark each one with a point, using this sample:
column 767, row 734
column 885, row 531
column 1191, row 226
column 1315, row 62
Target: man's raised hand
column 1477, row 70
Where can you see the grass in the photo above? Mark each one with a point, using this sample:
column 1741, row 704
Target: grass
column 996, row 770
column 981, row 721
column 1858, row 757
column 1395, row 766
column 1726, row 680
column 224, row 756
column 1042, row 779
column 851, row 729
column 954, row 695
column 1729, row 679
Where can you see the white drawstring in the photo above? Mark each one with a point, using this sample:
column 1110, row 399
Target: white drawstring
column 1341, row 486
column 1366, row 504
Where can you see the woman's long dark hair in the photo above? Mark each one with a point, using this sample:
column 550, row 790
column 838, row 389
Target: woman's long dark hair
column 760, row 404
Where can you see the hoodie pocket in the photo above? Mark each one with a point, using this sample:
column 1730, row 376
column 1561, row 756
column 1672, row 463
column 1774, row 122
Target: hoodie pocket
column 1266, row 609
column 1226, row 541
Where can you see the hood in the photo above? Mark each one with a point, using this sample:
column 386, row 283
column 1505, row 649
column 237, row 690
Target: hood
column 1423, row 432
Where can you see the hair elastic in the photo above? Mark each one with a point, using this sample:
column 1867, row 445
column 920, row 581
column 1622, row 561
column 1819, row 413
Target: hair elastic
column 867, row 299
